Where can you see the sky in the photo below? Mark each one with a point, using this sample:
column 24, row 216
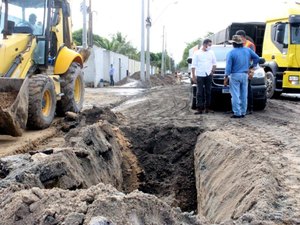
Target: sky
column 183, row 21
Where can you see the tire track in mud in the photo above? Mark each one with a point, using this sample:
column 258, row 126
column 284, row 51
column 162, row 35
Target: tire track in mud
column 161, row 106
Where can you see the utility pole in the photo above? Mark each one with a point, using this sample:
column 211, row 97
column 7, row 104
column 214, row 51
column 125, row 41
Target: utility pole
column 84, row 32
column 148, row 25
column 142, row 74
column 163, row 54
column 90, row 30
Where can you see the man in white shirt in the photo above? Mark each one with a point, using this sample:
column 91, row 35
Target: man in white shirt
column 203, row 67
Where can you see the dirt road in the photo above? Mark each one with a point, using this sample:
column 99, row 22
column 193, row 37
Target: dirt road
column 238, row 171
column 269, row 139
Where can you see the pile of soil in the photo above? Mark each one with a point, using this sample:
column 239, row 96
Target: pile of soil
column 7, row 98
column 83, row 181
column 247, row 170
column 155, row 80
column 98, row 205
column 217, row 169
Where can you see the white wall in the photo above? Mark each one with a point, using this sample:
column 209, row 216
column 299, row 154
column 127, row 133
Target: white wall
column 89, row 70
column 133, row 66
column 98, row 65
column 120, row 63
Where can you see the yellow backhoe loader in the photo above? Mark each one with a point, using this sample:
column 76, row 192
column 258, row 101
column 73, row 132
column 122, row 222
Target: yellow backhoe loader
column 41, row 69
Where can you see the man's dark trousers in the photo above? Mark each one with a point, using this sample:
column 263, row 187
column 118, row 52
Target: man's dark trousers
column 112, row 82
column 204, row 92
column 250, row 96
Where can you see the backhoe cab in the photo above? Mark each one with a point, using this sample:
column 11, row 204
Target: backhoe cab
column 41, row 71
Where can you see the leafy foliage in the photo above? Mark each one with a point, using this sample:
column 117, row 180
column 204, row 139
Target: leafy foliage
column 119, row 44
column 183, row 63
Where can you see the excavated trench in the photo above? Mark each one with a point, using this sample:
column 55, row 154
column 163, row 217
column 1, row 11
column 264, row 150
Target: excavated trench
column 159, row 159
column 163, row 160
column 166, row 157
column 96, row 148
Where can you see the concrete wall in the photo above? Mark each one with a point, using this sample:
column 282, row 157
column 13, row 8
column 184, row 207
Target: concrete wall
column 93, row 69
column 98, row 65
column 120, row 63
column 133, row 66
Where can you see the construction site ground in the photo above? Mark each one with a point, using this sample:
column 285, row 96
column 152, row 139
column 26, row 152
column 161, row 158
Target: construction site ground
column 138, row 155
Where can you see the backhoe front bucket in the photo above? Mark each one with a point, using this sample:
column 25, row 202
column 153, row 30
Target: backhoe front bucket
column 13, row 105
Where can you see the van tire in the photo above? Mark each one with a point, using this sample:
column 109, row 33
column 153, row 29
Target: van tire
column 260, row 104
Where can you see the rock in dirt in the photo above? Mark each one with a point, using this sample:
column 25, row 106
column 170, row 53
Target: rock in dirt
column 99, row 220
column 71, row 116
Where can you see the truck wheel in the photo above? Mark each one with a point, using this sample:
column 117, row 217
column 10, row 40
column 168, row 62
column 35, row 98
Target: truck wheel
column 270, row 82
column 260, row 104
column 72, row 86
column 42, row 102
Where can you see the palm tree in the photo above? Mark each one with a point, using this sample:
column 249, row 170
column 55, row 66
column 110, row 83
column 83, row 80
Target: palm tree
column 118, row 44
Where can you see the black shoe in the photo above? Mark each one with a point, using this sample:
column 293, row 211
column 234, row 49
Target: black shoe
column 209, row 111
column 249, row 112
column 198, row 112
column 235, row 116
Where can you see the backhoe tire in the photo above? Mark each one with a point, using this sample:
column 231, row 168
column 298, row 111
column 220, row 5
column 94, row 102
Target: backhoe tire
column 72, row 86
column 42, row 102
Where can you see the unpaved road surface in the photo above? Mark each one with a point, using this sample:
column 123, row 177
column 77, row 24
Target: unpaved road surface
column 216, row 169
column 105, row 97
column 264, row 146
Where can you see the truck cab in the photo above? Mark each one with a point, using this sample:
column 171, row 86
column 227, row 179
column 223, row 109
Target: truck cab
column 281, row 49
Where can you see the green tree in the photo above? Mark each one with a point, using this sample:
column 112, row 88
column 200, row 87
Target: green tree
column 118, row 43
column 155, row 59
column 183, row 63
column 77, row 37
column 122, row 46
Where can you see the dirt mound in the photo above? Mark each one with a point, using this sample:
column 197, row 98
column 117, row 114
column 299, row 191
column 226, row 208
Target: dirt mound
column 100, row 204
column 230, row 171
column 155, row 80
column 91, row 155
column 77, row 182
column 247, row 170
column 7, row 98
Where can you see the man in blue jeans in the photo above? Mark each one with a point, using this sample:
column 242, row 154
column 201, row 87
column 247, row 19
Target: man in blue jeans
column 111, row 75
column 237, row 65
